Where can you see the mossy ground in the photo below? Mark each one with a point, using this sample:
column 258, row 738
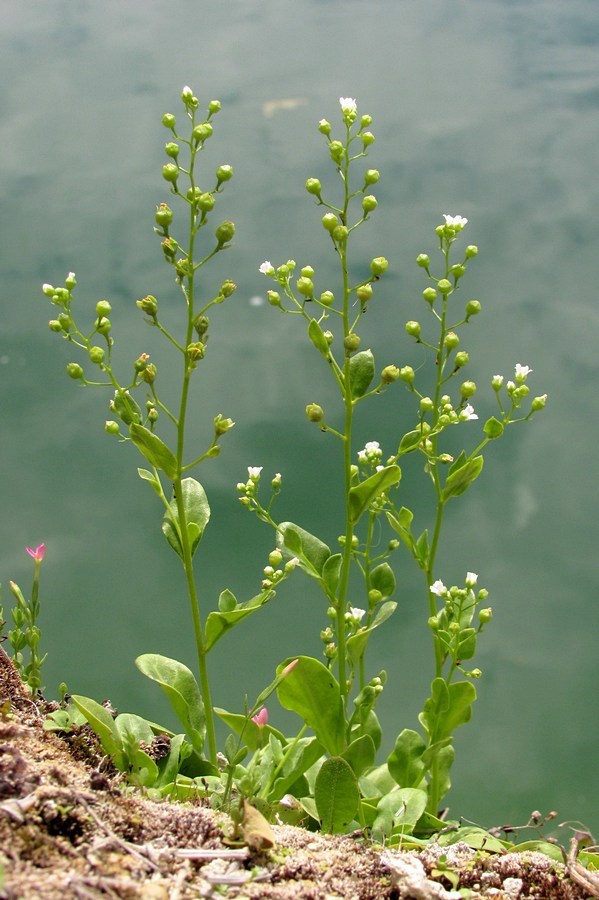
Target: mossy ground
column 68, row 830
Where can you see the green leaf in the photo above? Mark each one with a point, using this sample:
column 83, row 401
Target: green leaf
column 361, row 496
column 330, row 573
column 126, row 408
column 336, row 795
column 302, row 757
column 399, row 810
column 310, row 551
column 402, row 525
column 197, row 514
column 182, row 691
column 360, row 754
column 168, row 767
column 157, row 453
column 311, row 691
column 218, row 623
column 410, row 441
column 227, row 601
column 145, row 475
column 316, row 335
column 104, row 726
column 467, row 645
column 421, row 550
column 382, row 579
column 370, row 727
column 405, row 760
column 460, row 479
column 493, row 428
column 356, row 644
column 447, row 708
column 252, row 733
column 361, row 373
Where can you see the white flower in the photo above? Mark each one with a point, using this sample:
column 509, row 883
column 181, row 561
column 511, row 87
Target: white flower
column 371, row 446
column 267, row 268
column 348, row 105
column 468, row 414
column 438, row 588
column 522, row 372
column 458, row 222
column 254, row 472
column 357, row 613
column 471, row 579
column 186, row 93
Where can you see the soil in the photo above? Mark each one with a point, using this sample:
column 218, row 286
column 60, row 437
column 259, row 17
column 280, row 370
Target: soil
column 69, row 828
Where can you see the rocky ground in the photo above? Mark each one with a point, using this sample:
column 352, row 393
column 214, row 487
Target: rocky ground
column 67, row 830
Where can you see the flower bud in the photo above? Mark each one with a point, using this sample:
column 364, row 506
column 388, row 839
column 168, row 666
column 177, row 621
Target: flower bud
column 221, row 426
column 224, row 233
column 539, row 403
column 371, row 176
column 205, row 202
column 65, row 322
column 407, row 374
column 276, row 483
column 96, row 355
column 426, row 404
column 314, row 412
column 214, row 107
column 274, row 298
column 374, row 597
column 55, row 326
column 148, row 374
column 326, row 635
column 413, row 329
column 457, row 272
column 451, row 340
column 169, row 121
column 430, row 295
column 461, row 358
column 327, row 298
column 223, row 173
column 367, row 138
column 445, row 286
column 369, row 203
column 468, row 389
column 340, row 233
column 365, row 121
column 202, row 132
column 227, row 288
column 103, row 326
column 497, row 382
column 329, row 337
column 473, row 308
column 485, row 615
column 111, row 427
column 351, row 342
column 170, row 173
column 471, row 251
column 48, row 290
column 148, row 305
column 152, row 414
column 364, row 293
column 330, row 221
column 324, row 127
column 70, row 281
column 74, row 371
column 169, row 248
column 164, row 215
column 305, row 286
column 330, row 651
column 308, row 272
column 337, row 151
column 482, row 594
column 313, row 186
column 275, row 558
column 195, row 351
column 172, row 149
column 103, row 308
column 389, row 374
column 379, row 265
column 423, row 260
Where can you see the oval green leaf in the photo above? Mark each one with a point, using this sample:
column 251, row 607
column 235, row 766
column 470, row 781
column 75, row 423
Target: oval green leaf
column 154, row 450
column 336, row 795
column 361, row 373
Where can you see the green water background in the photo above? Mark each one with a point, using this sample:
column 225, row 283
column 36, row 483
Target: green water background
column 486, row 109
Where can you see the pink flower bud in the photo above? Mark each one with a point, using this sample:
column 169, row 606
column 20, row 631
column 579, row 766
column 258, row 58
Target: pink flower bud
column 261, row 717
column 37, row 554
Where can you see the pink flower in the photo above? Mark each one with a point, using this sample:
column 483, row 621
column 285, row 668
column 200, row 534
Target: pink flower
column 39, row 552
column 261, row 717
column 289, row 668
